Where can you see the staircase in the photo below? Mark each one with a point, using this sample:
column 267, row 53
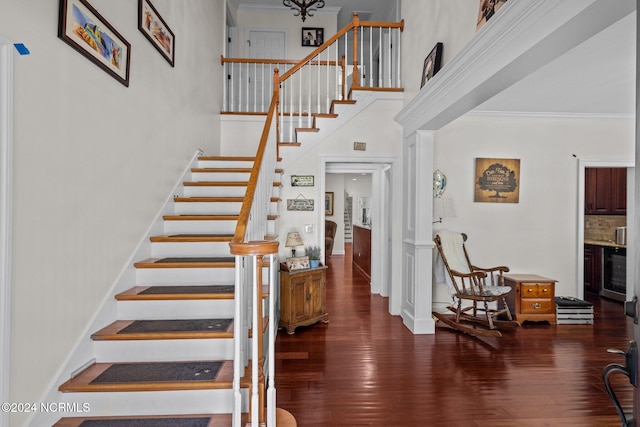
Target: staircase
column 167, row 360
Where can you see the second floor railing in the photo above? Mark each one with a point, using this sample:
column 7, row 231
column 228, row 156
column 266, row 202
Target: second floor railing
column 363, row 55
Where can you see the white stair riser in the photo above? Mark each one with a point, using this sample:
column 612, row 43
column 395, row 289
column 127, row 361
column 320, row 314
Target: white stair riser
column 200, row 227
column 207, row 208
column 226, row 164
column 208, row 227
column 215, row 208
column 152, row 403
column 220, row 176
column 185, row 276
column 175, row 309
column 163, row 350
column 221, row 191
column 214, row 191
column 187, row 249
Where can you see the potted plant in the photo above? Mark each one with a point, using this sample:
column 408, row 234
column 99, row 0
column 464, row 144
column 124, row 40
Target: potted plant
column 313, row 252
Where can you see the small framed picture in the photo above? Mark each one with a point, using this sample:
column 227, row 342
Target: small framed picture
column 431, row 63
column 298, row 263
column 487, row 9
column 328, row 203
column 312, row 36
column 156, row 30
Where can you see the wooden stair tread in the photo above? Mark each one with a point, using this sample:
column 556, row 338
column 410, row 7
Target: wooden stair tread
column 197, row 292
column 207, row 217
column 190, row 262
column 307, row 130
column 200, row 217
column 201, row 199
column 325, row 115
column 83, row 381
column 220, row 184
column 193, row 238
column 230, row 158
column 215, row 420
column 113, row 332
column 289, row 144
column 222, row 170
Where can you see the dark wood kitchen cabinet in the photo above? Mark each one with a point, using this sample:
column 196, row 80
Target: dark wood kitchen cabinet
column 592, row 268
column 605, row 191
column 362, row 250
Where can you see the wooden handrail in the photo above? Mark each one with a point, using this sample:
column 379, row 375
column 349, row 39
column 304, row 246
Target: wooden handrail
column 352, row 25
column 224, row 60
column 247, row 202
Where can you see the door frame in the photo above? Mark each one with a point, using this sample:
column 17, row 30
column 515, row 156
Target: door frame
column 606, row 163
column 381, row 230
column 6, row 172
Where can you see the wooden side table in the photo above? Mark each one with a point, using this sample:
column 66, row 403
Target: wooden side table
column 302, row 297
column 532, row 298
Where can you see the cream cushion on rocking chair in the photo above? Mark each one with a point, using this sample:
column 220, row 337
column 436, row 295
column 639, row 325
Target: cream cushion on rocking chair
column 453, row 247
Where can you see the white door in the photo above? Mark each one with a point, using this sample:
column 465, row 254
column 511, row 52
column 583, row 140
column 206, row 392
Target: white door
column 263, row 44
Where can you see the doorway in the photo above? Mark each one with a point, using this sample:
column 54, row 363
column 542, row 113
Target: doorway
column 377, row 215
column 583, row 165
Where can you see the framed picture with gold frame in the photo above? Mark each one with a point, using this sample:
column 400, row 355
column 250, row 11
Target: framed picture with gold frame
column 328, row 203
column 497, row 180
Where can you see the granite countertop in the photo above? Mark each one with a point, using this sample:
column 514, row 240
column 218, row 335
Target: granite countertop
column 609, row 243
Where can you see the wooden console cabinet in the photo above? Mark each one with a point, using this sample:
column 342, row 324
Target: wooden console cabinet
column 302, row 297
column 532, row 298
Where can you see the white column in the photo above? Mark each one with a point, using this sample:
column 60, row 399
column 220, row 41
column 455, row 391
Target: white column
column 417, row 248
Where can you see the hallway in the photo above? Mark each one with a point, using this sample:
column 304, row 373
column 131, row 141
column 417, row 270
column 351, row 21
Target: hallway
column 364, row 368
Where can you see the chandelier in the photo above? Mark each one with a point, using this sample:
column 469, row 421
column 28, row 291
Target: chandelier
column 304, row 7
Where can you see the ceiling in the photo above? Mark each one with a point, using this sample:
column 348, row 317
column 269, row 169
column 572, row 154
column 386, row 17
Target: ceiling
column 596, row 78
column 347, row 7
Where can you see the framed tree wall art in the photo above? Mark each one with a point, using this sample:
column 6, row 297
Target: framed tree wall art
column 497, row 180
column 151, row 24
column 85, row 30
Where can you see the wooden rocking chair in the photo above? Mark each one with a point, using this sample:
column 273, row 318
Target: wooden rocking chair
column 470, row 284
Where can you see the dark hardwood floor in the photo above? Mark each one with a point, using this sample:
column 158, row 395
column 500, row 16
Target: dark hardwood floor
column 364, row 368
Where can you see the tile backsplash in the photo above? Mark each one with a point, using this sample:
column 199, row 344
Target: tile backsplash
column 603, row 227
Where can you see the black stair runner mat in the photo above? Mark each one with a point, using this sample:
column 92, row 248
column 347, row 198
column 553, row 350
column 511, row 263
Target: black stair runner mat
column 155, row 372
column 197, row 259
column 181, row 325
column 148, row 422
column 159, row 290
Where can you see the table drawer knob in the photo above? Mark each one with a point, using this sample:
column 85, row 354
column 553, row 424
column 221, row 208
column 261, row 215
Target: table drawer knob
column 537, row 306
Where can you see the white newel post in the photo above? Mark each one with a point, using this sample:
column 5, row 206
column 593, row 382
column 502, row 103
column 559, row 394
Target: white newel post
column 417, row 248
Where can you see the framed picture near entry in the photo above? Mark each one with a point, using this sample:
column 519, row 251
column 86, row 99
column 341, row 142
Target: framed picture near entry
column 85, row 30
column 312, row 36
column 497, row 180
column 431, row 63
column 151, row 24
column 328, row 203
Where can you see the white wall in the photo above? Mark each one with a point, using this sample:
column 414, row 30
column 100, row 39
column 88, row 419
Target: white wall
column 94, row 161
column 452, row 22
column 538, row 235
column 383, row 141
column 281, row 18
